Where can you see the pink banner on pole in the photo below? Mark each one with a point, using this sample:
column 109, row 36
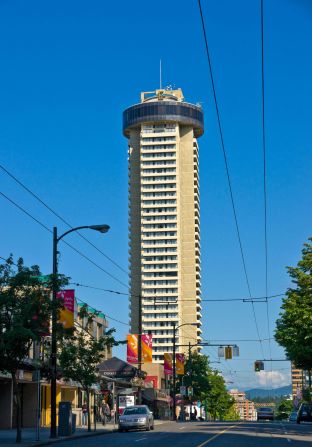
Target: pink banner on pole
column 132, row 348
column 168, row 363
column 180, row 364
column 67, row 313
column 147, row 348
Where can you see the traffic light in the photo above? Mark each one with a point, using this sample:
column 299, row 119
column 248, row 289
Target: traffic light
column 259, row 366
column 228, row 353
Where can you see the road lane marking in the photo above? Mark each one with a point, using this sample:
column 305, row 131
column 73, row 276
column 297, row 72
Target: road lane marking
column 140, row 439
column 289, row 440
column 216, row 436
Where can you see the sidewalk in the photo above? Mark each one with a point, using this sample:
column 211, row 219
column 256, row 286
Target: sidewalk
column 7, row 437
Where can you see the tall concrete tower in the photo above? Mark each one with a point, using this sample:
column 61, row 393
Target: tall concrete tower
column 164, row 236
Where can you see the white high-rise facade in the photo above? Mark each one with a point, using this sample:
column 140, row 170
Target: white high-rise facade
column 164, row 217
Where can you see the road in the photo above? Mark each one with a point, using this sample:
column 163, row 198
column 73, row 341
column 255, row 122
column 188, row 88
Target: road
column 211, row 434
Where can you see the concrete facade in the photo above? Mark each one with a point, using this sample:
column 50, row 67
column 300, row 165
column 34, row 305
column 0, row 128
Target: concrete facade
column 164, row 217
column 244, row 407
column 299, row 383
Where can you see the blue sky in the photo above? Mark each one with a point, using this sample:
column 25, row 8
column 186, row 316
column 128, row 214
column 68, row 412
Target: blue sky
column 69, row 69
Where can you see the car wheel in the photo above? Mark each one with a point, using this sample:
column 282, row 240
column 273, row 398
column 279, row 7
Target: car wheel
column 152, row 427
column 148, row 427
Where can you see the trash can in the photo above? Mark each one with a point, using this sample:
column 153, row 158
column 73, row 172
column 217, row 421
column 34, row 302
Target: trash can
column 74, row 417
column 65, row 419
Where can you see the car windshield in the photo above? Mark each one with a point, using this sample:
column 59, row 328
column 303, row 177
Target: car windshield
column 135, row 410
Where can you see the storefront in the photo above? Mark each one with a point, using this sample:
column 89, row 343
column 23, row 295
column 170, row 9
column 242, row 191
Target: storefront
column 158, row 402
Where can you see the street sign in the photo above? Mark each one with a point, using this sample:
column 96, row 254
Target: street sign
column 183, row 390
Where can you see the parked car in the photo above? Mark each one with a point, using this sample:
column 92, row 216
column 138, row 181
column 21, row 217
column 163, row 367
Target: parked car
column 138, row 416
column 293, row 416
column 304, row 412
column 265, row 413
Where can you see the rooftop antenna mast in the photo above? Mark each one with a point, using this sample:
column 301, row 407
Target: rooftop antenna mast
column 159, row 74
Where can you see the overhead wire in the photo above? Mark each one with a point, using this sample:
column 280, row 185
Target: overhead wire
column 105, row 314
column 59, row 216
column 264, row 166
column 171, row 302
column 265, row 178
column 228, row 171
column 83, row 302
column 64, row 242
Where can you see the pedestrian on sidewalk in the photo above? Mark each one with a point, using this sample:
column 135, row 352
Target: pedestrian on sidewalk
column 105, row 412
column 84, row 414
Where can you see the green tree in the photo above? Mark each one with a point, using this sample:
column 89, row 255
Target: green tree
column 81, row 353
column 25, row 310
column 208, row 385
column 284, row 408
column 232, row 414
column 218, row 401
column 196, row 372
column 294, row 327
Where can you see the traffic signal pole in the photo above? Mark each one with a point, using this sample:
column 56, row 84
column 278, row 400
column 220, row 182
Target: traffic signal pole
column 140, row 348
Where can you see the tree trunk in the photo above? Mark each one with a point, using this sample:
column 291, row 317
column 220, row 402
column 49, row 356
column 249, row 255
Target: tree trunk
column 88, row 406
column 17, row 401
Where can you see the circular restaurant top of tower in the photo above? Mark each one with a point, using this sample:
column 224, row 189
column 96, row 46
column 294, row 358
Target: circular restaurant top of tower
column 153, row 111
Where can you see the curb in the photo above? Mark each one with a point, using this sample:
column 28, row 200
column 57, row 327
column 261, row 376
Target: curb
column 70, row 438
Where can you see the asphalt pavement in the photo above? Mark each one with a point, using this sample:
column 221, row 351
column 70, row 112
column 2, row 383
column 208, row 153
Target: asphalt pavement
column 212, row 434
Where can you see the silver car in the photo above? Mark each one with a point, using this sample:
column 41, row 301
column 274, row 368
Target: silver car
column 138, row 416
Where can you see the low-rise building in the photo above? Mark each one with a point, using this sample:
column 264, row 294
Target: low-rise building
column 244, row 407
column 299, row 383
column 35, row 391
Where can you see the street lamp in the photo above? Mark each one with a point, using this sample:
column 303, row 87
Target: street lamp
column 102, row 229
column 174, row 362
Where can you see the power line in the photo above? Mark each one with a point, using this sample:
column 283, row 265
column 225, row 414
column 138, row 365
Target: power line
column 223, row 149
column 264, row 176
column 234, row 340
column 106, row 315
column 227, row 170
column 64, row 242
column 78, row 299
column 173, row 302
column 60, row 217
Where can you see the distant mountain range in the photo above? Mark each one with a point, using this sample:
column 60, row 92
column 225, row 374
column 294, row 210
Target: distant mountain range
column 260, row 392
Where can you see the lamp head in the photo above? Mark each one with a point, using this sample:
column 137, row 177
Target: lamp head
column 101, row 228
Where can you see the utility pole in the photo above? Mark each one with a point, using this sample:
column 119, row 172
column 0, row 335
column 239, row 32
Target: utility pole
column 53, row 363
column 53, row 338
column 175, row 327
column 191, row 378
column 140, row 348
column 174, row 371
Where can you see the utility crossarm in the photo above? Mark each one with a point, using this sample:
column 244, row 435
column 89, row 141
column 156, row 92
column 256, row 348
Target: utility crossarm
column 207, row 344
column 273, row 360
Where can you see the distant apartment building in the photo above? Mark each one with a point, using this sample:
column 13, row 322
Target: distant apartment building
column 299, row 383
column 164, row 217
column 244, row 407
